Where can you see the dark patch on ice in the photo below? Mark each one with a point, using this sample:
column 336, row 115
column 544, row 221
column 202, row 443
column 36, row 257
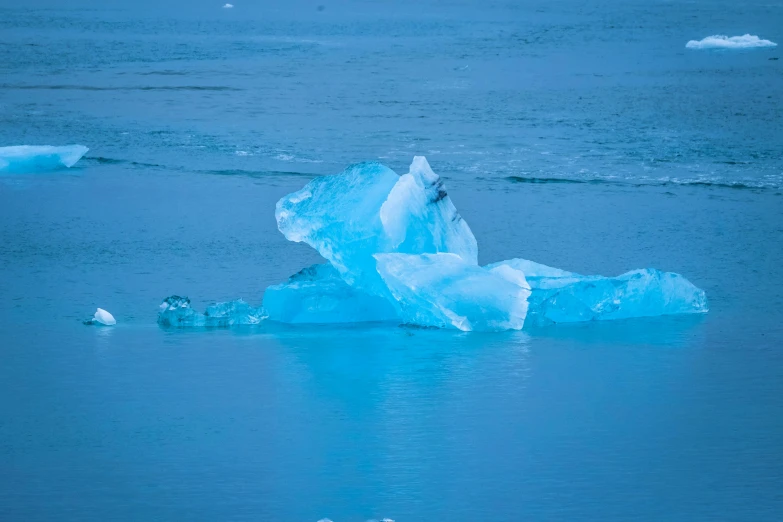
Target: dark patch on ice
column 440, row 196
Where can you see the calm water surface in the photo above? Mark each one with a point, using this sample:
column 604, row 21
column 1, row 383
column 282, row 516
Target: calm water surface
column 584, row 137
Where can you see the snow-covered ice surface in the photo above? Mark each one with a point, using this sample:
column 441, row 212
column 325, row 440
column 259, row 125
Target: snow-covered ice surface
column 39, row 158
column 718, row 41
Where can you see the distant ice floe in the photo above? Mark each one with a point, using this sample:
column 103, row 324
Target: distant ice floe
column 33, row 158
column 718, row 41
column 228, row 6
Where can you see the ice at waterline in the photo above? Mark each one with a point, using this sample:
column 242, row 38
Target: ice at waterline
column 398, row 251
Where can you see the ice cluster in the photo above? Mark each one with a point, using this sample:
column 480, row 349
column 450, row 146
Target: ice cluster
column 398, row 251
column 176, row 311
column 30, row 158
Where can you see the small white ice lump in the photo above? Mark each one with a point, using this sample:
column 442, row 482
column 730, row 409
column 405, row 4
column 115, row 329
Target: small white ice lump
column 228, row 6
column 103, row 317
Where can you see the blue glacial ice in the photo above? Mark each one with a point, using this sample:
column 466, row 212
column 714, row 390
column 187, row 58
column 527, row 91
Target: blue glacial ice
column 445, row 291
column 318, row 295
column 29, row 158
column 369, row 209
column 398, row 251
column 558, row 296
column 176, row 311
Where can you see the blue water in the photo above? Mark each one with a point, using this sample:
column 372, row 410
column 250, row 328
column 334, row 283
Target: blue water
column 583, row 137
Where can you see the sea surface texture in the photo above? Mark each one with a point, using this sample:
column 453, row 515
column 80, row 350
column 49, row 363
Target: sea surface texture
column 580, row 135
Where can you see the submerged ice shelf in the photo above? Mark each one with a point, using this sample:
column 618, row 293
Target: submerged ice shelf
column 34, row 158
column 398, row 251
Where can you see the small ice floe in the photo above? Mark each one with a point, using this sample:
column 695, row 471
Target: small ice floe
column 719, row 41
column 35, row 158
column 228, row 6
column 102, row 317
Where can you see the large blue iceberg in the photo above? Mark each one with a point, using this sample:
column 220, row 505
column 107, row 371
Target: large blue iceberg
column 397, row 250
column 30, row 158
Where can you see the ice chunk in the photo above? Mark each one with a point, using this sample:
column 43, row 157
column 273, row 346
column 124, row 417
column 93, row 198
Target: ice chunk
column 318, row 294
column 228, row 6
column 29, row 158
column 369, row 209
column 446, row 291
column 176, row 311
column 565, row 297
column 102, row 317
column 719, row 41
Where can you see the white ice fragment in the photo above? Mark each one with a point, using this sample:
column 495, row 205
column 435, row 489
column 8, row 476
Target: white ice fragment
column 228, row 6
column 103, row 317
column 39, row 158
column 719, row 41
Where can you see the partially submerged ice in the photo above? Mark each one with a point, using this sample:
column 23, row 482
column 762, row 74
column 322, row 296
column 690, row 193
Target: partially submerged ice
column 176, row 311
column 558, row 296
column 33, row 158
column 317, row 294
column 397, row 250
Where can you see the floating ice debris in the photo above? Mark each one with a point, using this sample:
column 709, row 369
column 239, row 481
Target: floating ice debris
column 718, row 41
column 228, row 6
column 446, row 291
column 31, row 158
column 102, row 317
column 318, row 294
column 369, row 209
column 565, row 297
column 176, row 311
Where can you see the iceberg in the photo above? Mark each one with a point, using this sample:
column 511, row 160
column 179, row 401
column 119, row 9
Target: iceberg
column 29, row 158
column 176, row 311
column 398, row 251
column 318, row 294
column 369, row 209
column 558, row 296
column 719, row 41
column 445, row 291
